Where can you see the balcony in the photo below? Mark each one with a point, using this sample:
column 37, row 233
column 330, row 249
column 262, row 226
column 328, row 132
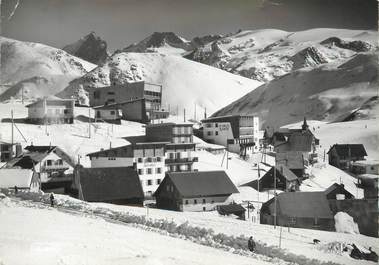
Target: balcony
column 170, row 161
column 54, row 167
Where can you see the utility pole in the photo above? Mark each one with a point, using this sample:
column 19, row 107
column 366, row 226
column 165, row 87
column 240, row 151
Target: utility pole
column 275, row 195
column 227, row 155
column 259, row 176
column 195, row 113
column 89, row 122
column 184, row 112
column 22, row 95
column 12, row 134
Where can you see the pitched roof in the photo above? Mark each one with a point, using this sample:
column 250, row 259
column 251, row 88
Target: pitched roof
column 40, row 148
column 39, row 152
column 141, row 139
column 202, row 183
column 339, row 187
column 48, row 98
column 303, row 204
column 292, row 159
column 106, row 184
column 355, row 150
column 106, row 151
column 231, row 209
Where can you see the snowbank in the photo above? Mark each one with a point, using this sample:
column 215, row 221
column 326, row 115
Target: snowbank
column 344, row 223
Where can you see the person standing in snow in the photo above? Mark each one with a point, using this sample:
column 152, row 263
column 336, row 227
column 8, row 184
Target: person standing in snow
column 251, row 244
column 52, row 199
column 15, row 190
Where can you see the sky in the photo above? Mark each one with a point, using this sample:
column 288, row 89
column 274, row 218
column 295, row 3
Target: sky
column 123, row 22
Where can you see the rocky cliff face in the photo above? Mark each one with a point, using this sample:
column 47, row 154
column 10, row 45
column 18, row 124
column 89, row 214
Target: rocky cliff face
column 90, row 48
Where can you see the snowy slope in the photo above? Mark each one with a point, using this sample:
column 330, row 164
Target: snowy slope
column 323, row 93
column 89, row 240
column 184, row 82
column 25, row 64
column 269, row 53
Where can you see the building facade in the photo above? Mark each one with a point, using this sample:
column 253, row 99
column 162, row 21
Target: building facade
column 108, row 113
column 9, row 151
column 139, row 101
column 51, row 110
column 342, row 155
column 179, row 144
column 239, row 133
column 365, row 167
column 148, row 159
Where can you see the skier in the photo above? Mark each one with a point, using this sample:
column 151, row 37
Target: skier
column 52, row 199
column 15, row 190
column 251, row 244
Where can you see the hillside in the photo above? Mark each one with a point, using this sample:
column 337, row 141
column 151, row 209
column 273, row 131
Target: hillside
column 324, row 93
column 184, row 82
column 36, row 69
column 269, row 53
column 90, row 48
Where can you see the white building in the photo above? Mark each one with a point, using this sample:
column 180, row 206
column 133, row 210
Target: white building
column 23, row 179
column 238, row 133
column 148, row 159
column 51, row 110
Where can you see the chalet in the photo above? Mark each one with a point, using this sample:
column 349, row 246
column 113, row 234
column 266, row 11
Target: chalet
column 365, row 167
column 239, row 133
column 194, row 191
column 51, row 110
column 179, row 147
column 342, row 155
column 294, row 161
column 286, row 180
column 23, row 179
column 297, row 140
column 148, row 158
column 109, row 113
column 117, row 185
column 338, row 192
column 52, row 164
column 139, row 101
column 308, row 210
column 9, row 151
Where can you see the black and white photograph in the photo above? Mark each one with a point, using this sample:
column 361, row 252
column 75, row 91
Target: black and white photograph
column 189, row 132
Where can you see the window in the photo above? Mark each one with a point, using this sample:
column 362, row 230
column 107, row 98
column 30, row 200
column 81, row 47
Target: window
column 159, row 159
column 204, row 209
column 96, row 94
column 149, row 171
column 65, row 111
column 140, row 160
column 149, row 159
column 195, row 201
column 204, row 201
column 186, row 201
column 158, row 170
column 216, row 133
column 140, row 171
column 113, row 112
column 216, row 124
column 208, row 125
column 209, row 133
column 48, row 162
column 149, row 182
column 110, row 100
column 168, row 187
column 159, row 181
column 60, row 162
column 111, row 158
column 110, row 93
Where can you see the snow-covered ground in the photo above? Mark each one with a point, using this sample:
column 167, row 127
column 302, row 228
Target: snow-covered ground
column 60, row 237
column 40, row 235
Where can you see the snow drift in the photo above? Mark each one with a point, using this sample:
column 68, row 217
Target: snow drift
column 344, row 223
